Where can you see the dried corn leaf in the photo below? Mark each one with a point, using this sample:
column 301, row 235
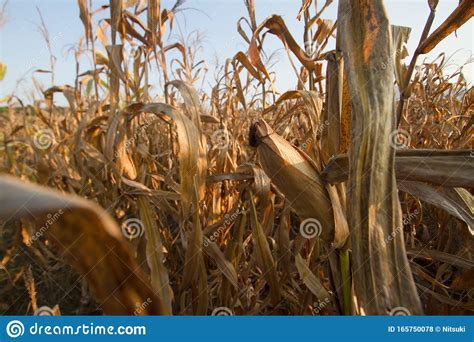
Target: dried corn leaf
column 154, row 255
column 191, row 155
column 346, row 110
column 124, row 160
column 456, row 201
column 153, row 18
column 276, row 25
column 115, row 55
column 243, row 59
column 460, row 15
column 116, row 7
column 325, row 27
column 85, row 18
column 89, row 240
column 194, row 267
column 224, row 265
column 400, row 35
column 447, row 168
column 310, row 280
column 263, row 254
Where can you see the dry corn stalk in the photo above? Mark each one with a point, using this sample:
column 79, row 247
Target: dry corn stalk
column 381, row 273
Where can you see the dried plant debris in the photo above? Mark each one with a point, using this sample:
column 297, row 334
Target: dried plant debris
column 183, row 199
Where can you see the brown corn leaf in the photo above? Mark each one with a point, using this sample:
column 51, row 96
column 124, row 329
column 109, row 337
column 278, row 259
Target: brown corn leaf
column 456, row 201
column 276, row 25
column 116, row 7
column 85, row 18
column 400, row 35
column 243, row 59
column 154, row 255
column 460, row 15
column 194, row 267
column 194, row 110
column 153, row 17
column 192, row 159
column 264, row 256
column 446, row 168
column 224, row 265
column 89, row 240
column 325, row 27
column 332, row 114
column 310, row 280
column 346, row 110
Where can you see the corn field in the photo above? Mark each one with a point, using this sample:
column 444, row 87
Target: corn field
column 349, row 195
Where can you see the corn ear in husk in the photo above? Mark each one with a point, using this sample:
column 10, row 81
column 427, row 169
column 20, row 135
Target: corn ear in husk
column 297, row 177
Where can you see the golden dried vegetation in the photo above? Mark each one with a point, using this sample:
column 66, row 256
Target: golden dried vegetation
column 327, row 199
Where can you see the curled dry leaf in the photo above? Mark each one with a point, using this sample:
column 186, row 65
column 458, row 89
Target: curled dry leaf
column 191, row 155
column 460, row 15
column 89, row 240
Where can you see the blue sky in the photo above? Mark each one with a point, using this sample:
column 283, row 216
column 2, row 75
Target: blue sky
column 22, row 48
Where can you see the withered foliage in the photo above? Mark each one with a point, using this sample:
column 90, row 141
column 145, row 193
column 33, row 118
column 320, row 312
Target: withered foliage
column 328, row 199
